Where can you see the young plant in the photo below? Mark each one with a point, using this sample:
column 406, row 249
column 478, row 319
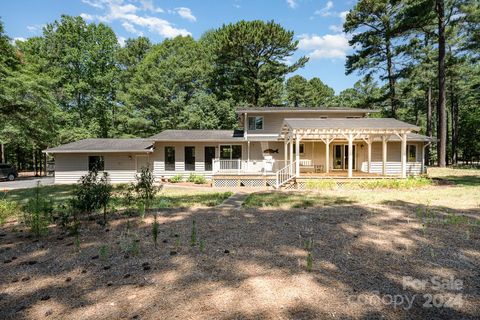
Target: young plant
column 38, row 212
column 202, row 245
column 193, row 235
column 145, row 187
column 104, row 193
column 309, row 248
column 77, row 242
column 176, row 178
column 103, row 253
column 155, row 230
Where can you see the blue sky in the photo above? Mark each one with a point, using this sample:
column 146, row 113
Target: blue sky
column 316, row 23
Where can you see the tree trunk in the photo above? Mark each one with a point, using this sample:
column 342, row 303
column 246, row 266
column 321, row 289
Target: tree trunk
column 2, row 152
column 442, row 116
column 391, row 81
column 429, row 123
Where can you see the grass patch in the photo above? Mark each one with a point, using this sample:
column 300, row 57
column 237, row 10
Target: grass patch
column 291, row 200
column 410, row 183
column 207, row 199
column 469, row 176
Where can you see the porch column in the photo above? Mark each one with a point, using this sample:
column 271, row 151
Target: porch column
column 297, row 156
column 369, row 151
column 327, row 155
column 291, row 154
column 384, row 155
column 285, row 150
column 404, row 155
column 350, row 155
column 248, row 156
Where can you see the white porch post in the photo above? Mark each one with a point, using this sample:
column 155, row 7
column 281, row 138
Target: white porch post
column 404, row 155
column 327, row 155
column 384, row 155
column 369, row 150
column 291, row 154
column 350, row 155
column 297, row 156
column 248, row 156
column 285, row 150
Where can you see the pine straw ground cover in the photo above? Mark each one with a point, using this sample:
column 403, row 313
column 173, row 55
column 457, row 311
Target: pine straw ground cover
column 253, row 263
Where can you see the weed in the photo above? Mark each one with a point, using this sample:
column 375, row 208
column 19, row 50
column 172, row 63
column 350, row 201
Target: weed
column 77, row 242
column 141, row 208
column 155, row 229
column 308, row 244
column 309, row 262
column 103, row 253
column 176, row 178
column 193, row 235
column 7, row 208
column 202, row 245
column 38, row 212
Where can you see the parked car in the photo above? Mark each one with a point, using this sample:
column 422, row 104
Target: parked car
column 8, row 172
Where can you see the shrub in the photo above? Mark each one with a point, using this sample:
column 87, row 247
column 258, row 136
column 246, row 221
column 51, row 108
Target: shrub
column 176, row 178
column 323, row 184
column 200, row 180
column 145, row 187
column 104, row 193
column 7, row 209
column 155, row 230
column 38, row 212
column 409, row 183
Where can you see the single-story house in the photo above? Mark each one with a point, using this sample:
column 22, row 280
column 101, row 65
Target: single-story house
column 275, row 145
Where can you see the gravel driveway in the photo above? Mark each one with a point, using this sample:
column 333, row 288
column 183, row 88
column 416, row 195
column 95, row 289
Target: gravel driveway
column 23, row 183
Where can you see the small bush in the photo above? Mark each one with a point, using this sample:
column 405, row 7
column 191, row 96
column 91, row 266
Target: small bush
column 145, row 187
column 7, row 209
column 192, row 177
column 200, row 180
column 176, row 178
column 38, row 212
column 324, row 184
column 409, row 183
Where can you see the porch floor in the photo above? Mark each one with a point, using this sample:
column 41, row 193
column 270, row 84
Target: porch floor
column 341, row 174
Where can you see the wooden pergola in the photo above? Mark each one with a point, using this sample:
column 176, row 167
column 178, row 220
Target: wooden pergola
column 327, row 130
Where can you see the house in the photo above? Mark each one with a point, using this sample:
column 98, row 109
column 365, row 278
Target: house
column 276, row 145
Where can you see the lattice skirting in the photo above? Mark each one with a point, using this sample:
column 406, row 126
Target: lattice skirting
column 243, row 182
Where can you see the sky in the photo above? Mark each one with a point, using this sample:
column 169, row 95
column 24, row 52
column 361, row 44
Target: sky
column 317, row 24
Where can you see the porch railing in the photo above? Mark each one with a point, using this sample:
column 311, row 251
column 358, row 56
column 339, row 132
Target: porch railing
column 243, row 166
column 285, row 174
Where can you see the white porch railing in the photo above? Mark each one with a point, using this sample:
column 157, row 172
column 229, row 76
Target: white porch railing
column 239, row 166
column 285, row 174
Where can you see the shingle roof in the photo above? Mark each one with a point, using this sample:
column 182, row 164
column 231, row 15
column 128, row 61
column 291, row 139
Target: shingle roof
column 198, row 135
column 321, row 109
column 357, row 123
column 412, row 137
column 104, row 145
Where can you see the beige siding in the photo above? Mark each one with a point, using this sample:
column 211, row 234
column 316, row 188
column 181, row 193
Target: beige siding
column 158, row 157
column 272, row 122
column 70, row 167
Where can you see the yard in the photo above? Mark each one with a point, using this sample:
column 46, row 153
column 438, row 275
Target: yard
column 349, row 253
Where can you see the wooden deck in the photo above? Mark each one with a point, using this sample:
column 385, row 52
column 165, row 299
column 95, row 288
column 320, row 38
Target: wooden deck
column 304, row 175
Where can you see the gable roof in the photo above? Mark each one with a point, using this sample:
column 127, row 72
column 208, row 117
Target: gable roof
column 104, row 145
column 322, row 109
column 356, row 123
column 199, row 135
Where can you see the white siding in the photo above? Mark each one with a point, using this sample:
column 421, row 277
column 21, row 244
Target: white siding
column 70, row 167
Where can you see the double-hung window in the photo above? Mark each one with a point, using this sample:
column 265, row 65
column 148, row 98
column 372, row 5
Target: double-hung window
column 255, row 123
column 411, row 153
column 170, row 158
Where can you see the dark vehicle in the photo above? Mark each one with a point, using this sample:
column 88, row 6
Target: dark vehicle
column 8, row 172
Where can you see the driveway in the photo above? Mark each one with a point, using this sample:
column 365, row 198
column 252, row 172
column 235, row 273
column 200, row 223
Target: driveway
column 23, row 183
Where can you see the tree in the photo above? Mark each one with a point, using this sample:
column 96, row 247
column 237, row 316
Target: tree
column 296, row 88
column 375, row 35
column 248, row 57
column 318, row 93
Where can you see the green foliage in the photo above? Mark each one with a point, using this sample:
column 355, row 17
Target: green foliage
column 193, row 235
column 7, row 209
column 176, row 178
column 155, row 231
column 104, row 193
column 38, row 212
column 197, row 179
column 409, row 183
column 145, row 187
column 202, row 246
column 129, row 242
column 103, row 253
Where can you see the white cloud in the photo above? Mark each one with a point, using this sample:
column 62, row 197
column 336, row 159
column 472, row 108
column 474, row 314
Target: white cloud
column 326, row 46
column 121, row 41
column 292, row 3
column 35, row 28
column 12, row 41
column 335, row 28
column 133, row 17
column 131, row 28
column 86, row 16
column 186, row 13
column 343, row 15
column 149, row 6
column 325, row 11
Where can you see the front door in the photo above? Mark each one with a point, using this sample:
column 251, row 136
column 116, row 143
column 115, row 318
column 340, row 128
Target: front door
column 209, row 156
column 340, row 157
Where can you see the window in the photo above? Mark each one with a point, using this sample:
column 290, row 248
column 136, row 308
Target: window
column 411, row 153
column 190, row 158
column 209, row 156
column 96, row 163
column 169, row 158
column 302, row 148
column 255, row 123
column 229, row 152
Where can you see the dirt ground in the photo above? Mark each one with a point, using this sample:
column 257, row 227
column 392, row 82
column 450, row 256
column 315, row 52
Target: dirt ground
column 248, row 264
